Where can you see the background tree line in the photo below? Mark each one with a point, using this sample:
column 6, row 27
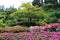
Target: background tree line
column 29, row 15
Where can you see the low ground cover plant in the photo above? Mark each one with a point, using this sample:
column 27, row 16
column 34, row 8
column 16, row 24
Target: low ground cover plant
column 30, row 36
column 14, row 29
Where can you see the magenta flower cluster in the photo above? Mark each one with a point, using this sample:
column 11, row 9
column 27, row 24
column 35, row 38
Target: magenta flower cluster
column 36, row 33
column 54, row 25
column 45, row 27
column 30, row 36
column 50, row 35
column 20, row 36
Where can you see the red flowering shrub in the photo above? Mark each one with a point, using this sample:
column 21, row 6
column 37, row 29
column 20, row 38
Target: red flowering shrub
column 54, row 27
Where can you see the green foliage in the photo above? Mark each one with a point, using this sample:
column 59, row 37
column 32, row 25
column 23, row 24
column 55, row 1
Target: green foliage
column 10, row 10
column 2, row 24
column 29, row 12
column 5, row 19
column 10, row 23
column 51, row 20
column 41, row 23
column 47, row 3
column 52, row 10
column 36, row 2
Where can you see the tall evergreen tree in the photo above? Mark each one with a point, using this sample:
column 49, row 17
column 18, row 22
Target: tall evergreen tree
column 36, row 2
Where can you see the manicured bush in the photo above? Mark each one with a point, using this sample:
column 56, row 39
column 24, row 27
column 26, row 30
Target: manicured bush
column 14, row 29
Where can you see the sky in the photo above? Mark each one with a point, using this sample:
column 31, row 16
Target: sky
column 15, row 3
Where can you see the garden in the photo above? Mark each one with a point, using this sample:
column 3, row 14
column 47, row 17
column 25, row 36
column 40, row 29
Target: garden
column 32, row 33
column 30, row 22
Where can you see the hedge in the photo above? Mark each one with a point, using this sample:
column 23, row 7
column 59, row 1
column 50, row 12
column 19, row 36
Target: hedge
column 14, row 29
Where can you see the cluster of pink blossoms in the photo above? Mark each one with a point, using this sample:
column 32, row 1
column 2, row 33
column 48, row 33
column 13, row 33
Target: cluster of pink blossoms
column 30, row 36
column 36, row 33
column 47, row 26
column 54, row 25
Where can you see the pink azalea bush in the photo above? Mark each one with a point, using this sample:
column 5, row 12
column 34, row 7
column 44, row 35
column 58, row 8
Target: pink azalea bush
column 20, row 36
column 36, row 33
column 30, row 36
column 52, row 27
column 50, row 35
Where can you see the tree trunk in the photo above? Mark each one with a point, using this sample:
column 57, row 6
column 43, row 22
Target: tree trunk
column 30, row 20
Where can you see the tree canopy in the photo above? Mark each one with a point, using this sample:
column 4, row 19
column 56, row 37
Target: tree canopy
column 29, row 12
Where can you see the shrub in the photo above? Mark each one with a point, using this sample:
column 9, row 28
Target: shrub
column 41, row 23
column 28, row 24
column 30, row 36
column 36, row 28
column 14, row 29
column 52, row 27
column 1, row 23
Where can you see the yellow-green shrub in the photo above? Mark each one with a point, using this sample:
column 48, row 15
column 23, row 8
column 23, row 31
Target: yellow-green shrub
column 41, row 23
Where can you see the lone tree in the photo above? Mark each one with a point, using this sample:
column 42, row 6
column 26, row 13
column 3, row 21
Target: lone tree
column 29, row 13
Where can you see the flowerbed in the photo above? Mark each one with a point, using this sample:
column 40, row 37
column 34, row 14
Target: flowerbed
column 30, row 36
column 20, row 36
column 35, row 33
column 50, row 36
